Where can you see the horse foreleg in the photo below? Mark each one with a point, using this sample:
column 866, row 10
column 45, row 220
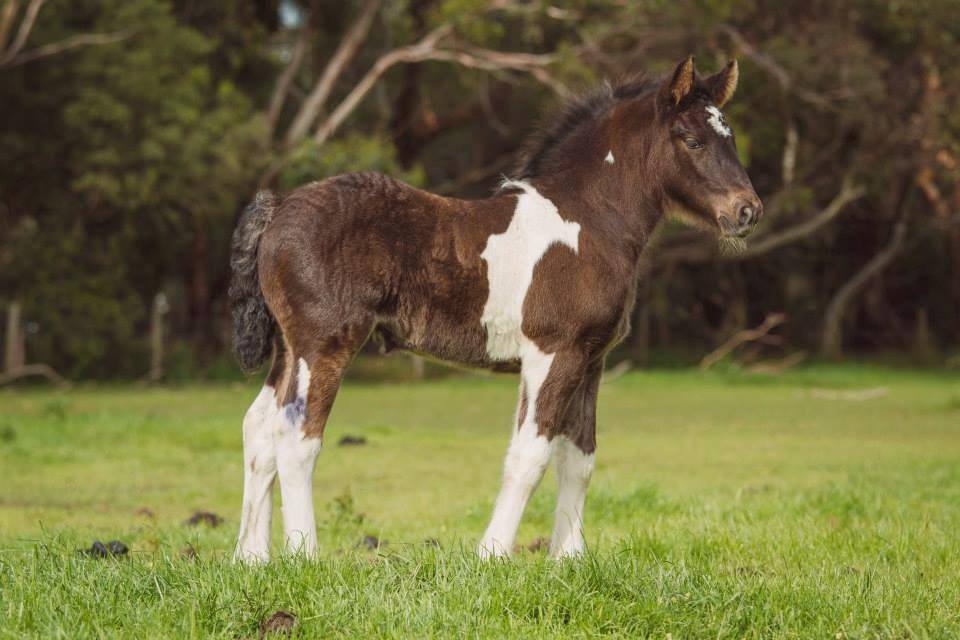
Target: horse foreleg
column 547, row 380
column 574, row 468
column 574, row 464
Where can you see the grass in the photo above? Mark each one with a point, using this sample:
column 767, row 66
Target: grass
column 723, row 505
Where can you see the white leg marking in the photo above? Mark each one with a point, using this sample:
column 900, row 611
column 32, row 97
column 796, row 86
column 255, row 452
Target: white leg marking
column 259, row 471
column 574, row 469
column 609, row 159
column 511, row 257
column 527, row 458
column 296, row 456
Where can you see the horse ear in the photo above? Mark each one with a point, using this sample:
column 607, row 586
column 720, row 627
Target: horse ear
column 679, row 85
column 723, row 83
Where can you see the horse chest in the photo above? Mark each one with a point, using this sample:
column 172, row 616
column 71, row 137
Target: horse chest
column 511, row 257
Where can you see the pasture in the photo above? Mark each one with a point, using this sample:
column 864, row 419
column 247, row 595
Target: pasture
column 723, row 505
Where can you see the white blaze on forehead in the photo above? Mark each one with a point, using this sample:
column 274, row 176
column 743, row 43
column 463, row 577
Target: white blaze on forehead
column 716, row 120
column 609, row 157
column 511, row 257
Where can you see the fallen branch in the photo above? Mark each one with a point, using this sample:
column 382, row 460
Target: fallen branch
column 855, row 395
column 747, row 335
column 30, row 370
column 774, row 367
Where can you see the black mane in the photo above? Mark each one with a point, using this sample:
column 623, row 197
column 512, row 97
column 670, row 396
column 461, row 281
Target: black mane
column 571, row 115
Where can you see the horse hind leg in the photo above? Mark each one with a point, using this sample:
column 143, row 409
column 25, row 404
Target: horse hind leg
column 316, row 373
column 259, row 471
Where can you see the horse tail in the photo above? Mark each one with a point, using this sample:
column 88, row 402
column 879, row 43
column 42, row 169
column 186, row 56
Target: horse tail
column 253, row 324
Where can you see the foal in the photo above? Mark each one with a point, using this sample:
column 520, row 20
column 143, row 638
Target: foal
column 539, row 279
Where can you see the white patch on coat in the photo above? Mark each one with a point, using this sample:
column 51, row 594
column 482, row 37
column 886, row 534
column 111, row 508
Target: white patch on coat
column 574, row 468
column 511, row 257
column 296, row 456
column 526, row 460
column 259, row 471
column 717, row 121
column 609, row 159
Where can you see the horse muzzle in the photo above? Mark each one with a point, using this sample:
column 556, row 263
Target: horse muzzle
column 746, row 212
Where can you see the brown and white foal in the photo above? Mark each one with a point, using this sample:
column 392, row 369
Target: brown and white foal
column 538, row 279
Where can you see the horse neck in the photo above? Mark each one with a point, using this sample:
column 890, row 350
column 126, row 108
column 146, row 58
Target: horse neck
column 624, row 216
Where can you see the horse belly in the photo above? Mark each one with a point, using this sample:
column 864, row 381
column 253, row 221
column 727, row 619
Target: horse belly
column 460, row 344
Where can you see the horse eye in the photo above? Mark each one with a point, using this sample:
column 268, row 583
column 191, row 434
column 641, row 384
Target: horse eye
column 692, row 143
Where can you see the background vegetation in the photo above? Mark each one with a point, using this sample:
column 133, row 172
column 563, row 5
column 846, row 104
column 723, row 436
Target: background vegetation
column 133, row 131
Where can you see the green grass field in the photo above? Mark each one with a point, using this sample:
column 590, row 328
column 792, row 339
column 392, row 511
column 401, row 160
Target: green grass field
column 723, row 505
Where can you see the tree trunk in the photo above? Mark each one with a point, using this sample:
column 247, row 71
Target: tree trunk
column 831, row 344
column 955, row 255
column 159, row 310
column 15, row 356
column 199, row 295
column 640, row 340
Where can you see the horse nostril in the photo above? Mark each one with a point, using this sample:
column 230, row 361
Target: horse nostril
column 746, row 215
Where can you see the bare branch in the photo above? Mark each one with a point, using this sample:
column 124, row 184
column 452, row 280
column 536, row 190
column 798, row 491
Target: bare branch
column 26, row 26
column 412, row 53
column 848, row 193
column 321, row 91
column 426, row 49
column 691, row 247
column 772, row 67
column 769, row 323
column 6, row 21
column 789, row 162
column 72, row 42
column 489, row 60
column 286, row 79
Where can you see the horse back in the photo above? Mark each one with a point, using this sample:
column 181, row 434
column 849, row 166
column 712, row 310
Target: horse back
column 366, row 247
